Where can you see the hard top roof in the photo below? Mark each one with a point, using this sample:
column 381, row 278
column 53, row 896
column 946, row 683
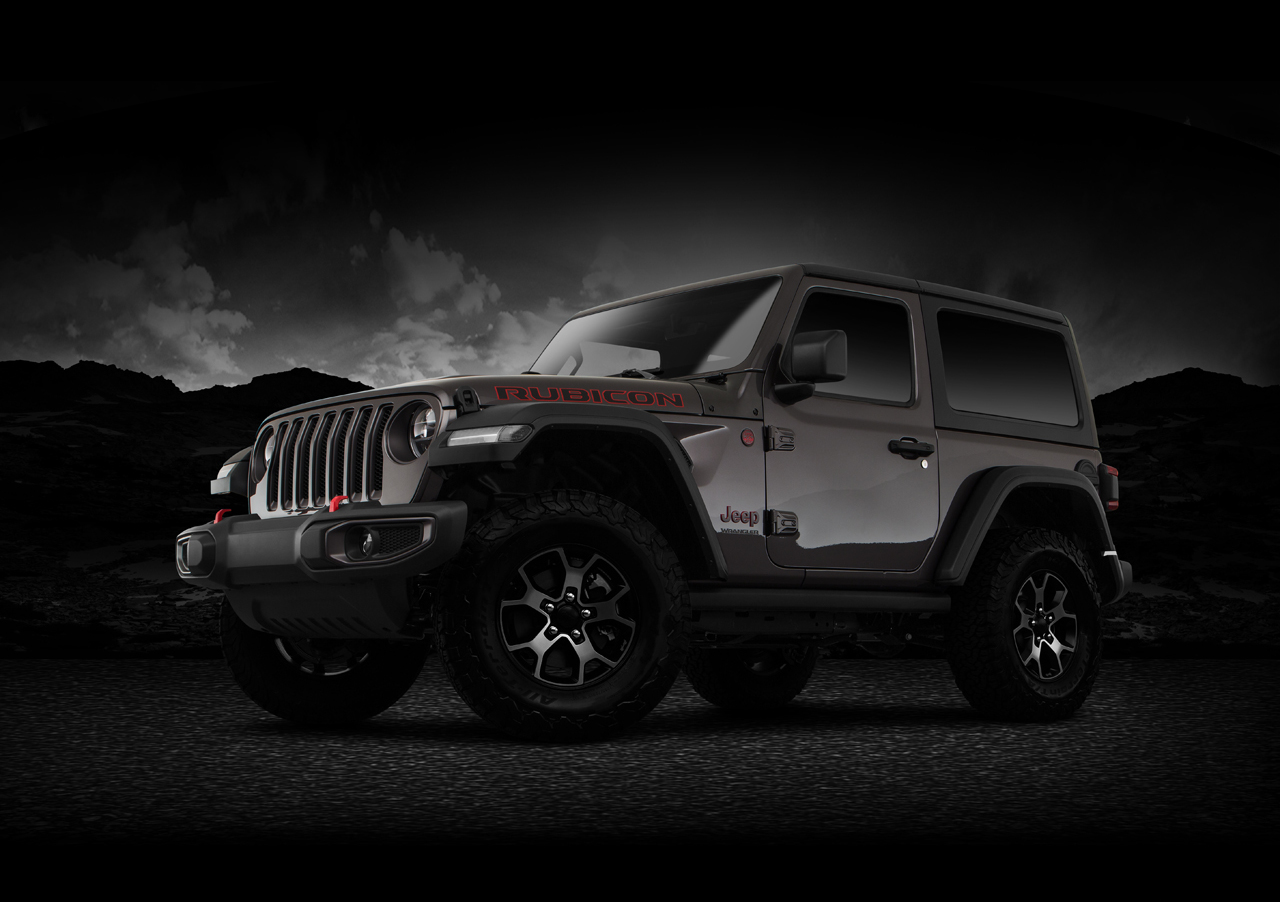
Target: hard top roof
column 881, row 280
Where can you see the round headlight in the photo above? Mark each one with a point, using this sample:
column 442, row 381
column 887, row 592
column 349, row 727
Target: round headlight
column 263, row 448
column 421, row 430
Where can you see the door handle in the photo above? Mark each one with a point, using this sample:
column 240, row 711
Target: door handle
column 910, row 448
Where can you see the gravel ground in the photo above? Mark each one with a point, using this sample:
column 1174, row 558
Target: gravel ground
column 129, row 751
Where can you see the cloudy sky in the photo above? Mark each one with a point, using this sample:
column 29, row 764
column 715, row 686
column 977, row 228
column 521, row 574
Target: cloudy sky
column 213, row 236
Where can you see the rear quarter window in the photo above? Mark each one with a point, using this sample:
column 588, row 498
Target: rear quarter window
column 1007, row 369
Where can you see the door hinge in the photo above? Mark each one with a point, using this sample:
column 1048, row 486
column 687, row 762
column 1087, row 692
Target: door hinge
column 782, row 523
column 779, row 439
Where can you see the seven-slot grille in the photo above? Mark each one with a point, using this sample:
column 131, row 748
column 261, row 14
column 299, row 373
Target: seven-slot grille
column 326, row 454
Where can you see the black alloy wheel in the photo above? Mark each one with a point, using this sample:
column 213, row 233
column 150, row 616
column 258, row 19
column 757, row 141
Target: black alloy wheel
column 562, row 617
column 1024, row 637
column 568, row 616
column 1045, row 631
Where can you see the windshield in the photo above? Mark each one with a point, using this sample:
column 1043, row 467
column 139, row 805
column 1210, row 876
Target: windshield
column 699, row 331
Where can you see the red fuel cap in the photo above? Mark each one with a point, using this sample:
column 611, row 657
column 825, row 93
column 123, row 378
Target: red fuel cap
column 748, row 437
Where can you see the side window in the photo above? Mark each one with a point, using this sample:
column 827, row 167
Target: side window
column 879, row 336
column 998, row 367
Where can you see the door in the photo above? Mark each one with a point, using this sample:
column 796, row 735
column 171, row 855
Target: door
column 858, row 504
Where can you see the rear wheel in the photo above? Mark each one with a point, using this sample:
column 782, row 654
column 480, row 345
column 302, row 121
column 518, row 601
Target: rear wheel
column 750, row 679
column 319, row 682
column 561, row 618
column 1024, row 635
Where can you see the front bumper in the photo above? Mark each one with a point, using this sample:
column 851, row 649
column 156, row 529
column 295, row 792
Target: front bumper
column 300, row 576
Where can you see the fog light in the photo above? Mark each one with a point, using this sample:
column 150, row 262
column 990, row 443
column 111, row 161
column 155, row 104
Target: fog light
column 362, row 542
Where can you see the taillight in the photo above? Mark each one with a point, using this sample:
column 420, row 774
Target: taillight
column 1109, row 487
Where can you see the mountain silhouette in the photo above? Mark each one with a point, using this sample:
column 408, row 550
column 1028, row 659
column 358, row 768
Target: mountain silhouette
column 25, row 385
column 276, row 391
column 1188, row 390
column 28, row 386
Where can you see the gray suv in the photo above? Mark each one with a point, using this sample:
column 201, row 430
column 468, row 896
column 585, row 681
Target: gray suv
column 723, row 477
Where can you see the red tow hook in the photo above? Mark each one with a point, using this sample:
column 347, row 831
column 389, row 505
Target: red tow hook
column 217, row 518
column 335, row 501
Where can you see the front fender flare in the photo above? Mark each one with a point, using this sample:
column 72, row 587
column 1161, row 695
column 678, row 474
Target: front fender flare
column 547, row 416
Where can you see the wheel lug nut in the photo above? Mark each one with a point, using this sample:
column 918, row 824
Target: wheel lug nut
column 577, row 634
column 552, row 630
column 585, row 612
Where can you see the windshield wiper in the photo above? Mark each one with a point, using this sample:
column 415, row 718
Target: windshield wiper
column 632, row 373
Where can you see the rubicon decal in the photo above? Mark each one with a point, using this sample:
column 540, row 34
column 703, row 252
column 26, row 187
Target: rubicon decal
column 748, row 518
column 587, row 395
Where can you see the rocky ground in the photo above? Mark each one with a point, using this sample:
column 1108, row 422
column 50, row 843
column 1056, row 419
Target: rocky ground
column 103, row 467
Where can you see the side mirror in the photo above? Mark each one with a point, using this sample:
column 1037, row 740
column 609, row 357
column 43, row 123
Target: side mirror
column 819, row 356
column 815, row 357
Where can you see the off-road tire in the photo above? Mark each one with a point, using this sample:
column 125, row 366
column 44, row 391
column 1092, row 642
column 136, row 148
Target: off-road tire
column 475, row 652
column 282, row 687
column 984, row 656
column 746, row 679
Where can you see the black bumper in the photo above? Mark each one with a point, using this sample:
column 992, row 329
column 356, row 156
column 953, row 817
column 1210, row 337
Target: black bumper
column 300, row 576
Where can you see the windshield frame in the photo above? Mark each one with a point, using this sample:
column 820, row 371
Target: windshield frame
column 753, row 359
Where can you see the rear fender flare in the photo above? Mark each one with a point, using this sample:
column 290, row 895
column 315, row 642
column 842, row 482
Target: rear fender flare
column 990, row 494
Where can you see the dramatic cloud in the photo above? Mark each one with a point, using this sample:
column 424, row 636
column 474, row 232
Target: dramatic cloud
column 339, row 229
column 423, row 275
column 151, row 309
column 419, row 348
column 449, row 320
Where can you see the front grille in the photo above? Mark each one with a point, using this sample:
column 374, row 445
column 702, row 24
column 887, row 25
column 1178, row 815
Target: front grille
column 303, row 490
column 319, row 494
column 395, row 539
column 273, row 472
column 340, row 452
column 327, row 454
column 357, row 452
column 375, row 452
column 287, row 474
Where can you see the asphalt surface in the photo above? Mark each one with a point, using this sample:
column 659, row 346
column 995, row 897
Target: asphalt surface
column 129, row 751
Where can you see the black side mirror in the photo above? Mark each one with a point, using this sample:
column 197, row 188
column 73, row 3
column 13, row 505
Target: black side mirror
column 820, row 356
column 815, row 357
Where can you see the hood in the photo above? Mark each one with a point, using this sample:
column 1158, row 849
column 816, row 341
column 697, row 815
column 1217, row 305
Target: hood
column 656, row 395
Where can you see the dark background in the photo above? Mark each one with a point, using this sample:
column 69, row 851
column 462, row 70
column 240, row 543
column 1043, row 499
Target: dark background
column 178, row 261
column 387, row 235
column 178, row 238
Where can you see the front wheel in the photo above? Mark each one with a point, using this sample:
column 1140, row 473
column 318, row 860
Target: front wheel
column 561, row 618
column 1024, row 638
column 319, row 682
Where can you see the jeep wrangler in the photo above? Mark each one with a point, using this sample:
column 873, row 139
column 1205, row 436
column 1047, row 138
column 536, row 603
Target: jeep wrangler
column 722, row 477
